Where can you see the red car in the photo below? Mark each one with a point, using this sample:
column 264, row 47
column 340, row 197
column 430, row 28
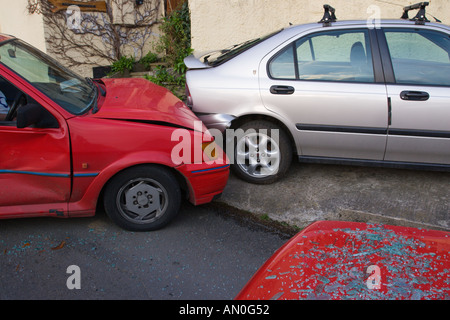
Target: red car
column 68, row 143
column 335, row 260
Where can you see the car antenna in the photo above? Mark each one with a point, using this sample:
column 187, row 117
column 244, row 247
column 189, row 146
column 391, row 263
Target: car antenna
column 420, row 17
column 328, row 16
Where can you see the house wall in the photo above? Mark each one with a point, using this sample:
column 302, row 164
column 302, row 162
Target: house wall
column 217, row 24
column 15, row 20
column 138, row 42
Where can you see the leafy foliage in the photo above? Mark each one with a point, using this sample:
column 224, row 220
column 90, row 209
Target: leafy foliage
column 123, row 64
column 175, row 44
column 148, row 59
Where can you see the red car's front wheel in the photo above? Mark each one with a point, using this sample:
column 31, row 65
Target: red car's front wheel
column 143, row 198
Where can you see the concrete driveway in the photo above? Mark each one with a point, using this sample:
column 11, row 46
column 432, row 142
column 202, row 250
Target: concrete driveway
column 312, row 192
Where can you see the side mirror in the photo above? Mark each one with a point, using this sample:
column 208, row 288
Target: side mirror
column 36, row 116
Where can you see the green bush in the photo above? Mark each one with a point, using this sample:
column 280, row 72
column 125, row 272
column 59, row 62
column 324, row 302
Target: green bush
column 175, row 41
column 175, row 45
column 148, row 59
column 123, row 64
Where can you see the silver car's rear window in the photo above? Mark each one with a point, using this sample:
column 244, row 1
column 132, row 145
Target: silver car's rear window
column 218, row 57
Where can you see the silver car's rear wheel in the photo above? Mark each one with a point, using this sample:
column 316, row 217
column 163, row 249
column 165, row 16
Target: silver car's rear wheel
column 262, row 153
column 258, row 155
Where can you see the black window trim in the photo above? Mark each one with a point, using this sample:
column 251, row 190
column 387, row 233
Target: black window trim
column 385, row 57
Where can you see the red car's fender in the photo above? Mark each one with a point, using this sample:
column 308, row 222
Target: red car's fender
column 86, row 189
column 132, row 143
column 95, row 163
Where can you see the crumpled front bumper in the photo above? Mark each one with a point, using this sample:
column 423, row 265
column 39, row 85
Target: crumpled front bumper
column 205, row 182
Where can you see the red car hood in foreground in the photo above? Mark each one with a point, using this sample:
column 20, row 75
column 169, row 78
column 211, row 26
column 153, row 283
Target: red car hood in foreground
column 346, row 260
column 141, row 100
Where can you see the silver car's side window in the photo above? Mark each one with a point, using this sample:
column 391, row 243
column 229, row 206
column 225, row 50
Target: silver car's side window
column 343, row 55
column 283, row 66
column 419, row 57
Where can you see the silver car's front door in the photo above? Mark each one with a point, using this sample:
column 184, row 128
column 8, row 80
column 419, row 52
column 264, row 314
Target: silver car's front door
column 420, row 98
column 325, row 87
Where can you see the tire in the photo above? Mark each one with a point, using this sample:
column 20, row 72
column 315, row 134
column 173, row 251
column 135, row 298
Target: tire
column 144, row 198
column 258, row 157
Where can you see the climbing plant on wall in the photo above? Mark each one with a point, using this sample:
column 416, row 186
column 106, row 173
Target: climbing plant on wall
column 97, row 32
column 174, row 44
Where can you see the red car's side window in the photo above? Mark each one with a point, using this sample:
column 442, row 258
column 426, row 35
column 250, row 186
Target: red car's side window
column 19, row 109
column 7, row 92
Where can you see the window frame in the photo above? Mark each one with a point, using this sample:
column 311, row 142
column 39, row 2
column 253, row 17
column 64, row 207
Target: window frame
column 31, row 100
column 387, row 64
column 49, row 61
column 377, row 63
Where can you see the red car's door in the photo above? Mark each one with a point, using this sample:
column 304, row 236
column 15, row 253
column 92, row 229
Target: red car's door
column 35, row 167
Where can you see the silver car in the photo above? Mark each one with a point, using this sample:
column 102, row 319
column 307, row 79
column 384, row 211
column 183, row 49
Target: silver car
column 354, row 92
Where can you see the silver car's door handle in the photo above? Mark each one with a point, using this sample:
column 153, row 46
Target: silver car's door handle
column 415, row 95
column 282, row 90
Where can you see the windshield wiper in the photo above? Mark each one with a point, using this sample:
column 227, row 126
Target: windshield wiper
column 95, row 98
column 91, row 82
column 102, row 90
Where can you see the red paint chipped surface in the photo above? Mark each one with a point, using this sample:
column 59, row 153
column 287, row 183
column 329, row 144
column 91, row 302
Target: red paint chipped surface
column 347, row 260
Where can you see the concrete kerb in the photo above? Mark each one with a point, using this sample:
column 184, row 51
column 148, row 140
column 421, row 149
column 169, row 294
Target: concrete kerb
column 309, row 193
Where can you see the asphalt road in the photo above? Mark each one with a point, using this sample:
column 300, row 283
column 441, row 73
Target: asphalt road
column 202, row 255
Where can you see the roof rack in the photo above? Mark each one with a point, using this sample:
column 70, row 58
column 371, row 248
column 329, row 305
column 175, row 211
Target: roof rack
column 420, row 17
column 328, row 16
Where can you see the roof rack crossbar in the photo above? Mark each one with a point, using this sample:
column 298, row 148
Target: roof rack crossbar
column 420, row 17
column 328, row 16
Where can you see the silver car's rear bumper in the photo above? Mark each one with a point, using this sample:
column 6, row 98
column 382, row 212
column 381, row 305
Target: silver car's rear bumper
column 217, row 121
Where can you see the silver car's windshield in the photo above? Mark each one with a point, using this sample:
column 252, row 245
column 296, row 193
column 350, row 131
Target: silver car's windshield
column 72, row 92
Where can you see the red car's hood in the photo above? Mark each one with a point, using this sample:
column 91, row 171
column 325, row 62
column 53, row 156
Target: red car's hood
column 141, row 100
column 339, row 260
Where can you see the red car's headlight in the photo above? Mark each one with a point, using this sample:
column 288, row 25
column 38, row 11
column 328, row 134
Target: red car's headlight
column 210, row 150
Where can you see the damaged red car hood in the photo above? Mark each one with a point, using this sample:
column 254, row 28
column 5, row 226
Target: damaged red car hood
column 141, row 100
column 338, row 260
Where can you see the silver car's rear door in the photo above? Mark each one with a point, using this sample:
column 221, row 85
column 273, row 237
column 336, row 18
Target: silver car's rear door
column 325, row 87
column 419, row 91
